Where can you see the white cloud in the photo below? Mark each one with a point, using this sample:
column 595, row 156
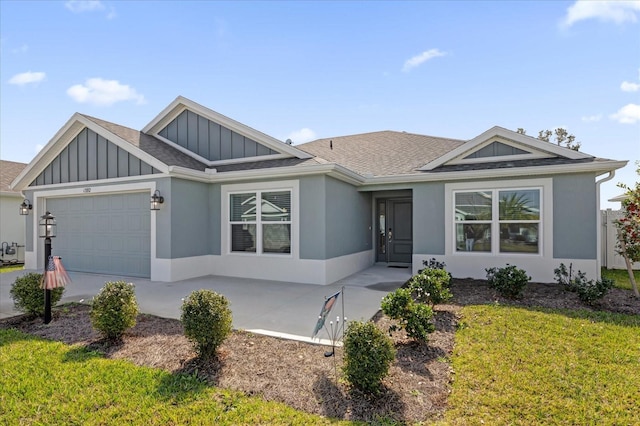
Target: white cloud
column 629, row 87
column 80, row 6
column 617, row 12
column 421, row 58
column 592, row 118
column 21, row 49
column 98, row 91
column 27, row 78
column 628, row 114
column 301, row 136
column 39, row 148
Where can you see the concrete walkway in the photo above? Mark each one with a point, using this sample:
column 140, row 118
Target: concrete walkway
column 283, row 309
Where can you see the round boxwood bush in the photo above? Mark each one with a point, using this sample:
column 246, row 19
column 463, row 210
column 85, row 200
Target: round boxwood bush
column 368, row 354
column 510, row 281
column 414, row 317
column 207, row 319
column 28, row 296
column 431, row 286
column 114, row 309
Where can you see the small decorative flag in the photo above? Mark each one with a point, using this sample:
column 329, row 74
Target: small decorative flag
column 55, row 275
column 324, row 312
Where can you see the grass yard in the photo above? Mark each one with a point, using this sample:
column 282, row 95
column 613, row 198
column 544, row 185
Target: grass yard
column 47, row 382
column 9, row 268
column 523, row 366
column 621, row 277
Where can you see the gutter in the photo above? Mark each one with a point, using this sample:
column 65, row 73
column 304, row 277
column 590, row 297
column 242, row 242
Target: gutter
column 612, row 173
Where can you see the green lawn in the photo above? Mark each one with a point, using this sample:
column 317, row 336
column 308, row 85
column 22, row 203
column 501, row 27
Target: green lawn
column 520, row 366
column 10, row 268
column 512, row 366
column 621, row 277
column 46, row 382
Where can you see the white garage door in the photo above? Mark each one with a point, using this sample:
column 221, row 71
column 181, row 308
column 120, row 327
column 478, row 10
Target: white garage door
column 106, row 234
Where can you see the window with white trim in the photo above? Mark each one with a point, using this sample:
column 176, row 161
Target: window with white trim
column 498, row 220
column 260, row 222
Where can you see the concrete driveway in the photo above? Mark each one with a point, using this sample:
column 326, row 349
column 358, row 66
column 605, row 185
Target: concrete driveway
column 282, row 309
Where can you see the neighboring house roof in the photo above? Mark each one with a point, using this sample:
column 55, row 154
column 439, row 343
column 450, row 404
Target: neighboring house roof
column 382, row 153
column 620, row 197
column 8, row 172
column 152, row 146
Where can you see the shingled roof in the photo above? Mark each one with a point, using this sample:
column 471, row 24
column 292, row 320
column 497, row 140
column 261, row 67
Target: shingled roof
column 382, row 153
column 8, row 172
column 151, row 145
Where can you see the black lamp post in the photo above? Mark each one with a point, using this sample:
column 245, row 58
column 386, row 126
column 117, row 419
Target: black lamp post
column 47, row 231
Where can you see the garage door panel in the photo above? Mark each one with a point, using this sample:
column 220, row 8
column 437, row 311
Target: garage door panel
column 104, row 233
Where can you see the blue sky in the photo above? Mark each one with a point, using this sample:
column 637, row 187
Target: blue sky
column 307, row 70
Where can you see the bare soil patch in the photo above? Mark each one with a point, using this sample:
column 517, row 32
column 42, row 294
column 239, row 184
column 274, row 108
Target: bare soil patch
column 298, row 374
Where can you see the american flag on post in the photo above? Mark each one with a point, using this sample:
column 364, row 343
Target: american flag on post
column 55, row 275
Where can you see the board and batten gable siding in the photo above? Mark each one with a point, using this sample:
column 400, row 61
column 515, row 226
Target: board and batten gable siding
column 210, row 140
column 574, row 216
column 89, row 157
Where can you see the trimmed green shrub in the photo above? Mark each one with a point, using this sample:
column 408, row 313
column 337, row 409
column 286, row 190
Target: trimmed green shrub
column 28, row 297
column 114, row 309
column 565, row 277
column 415, row 318
column 508, row 281
column 589, row 291
column 207, row 320
column 433, row 264
column 368, row 354
column 431, row 286
column 592, row 291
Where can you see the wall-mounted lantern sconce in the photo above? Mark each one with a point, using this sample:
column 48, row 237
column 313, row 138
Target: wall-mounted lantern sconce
column 156, row 200
column 47, row 226
column 25, row 207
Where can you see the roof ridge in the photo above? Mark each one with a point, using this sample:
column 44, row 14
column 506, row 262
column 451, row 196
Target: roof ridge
column 395, row 132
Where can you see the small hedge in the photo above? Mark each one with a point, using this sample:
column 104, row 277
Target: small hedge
column 114, row 309
column 589, row 291
column 368, row 354
column 509, row 281
column 28, row 297
column 414, row 317
column 207, row 320
column 431, row 285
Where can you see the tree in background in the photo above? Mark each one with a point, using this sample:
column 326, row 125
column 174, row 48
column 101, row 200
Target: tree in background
column 629, row 228
column 562, row 137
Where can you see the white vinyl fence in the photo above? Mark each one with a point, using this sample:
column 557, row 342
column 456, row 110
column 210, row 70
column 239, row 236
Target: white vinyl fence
column 610, row 258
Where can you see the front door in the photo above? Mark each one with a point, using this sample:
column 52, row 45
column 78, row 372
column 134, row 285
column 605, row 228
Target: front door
column 395, row 230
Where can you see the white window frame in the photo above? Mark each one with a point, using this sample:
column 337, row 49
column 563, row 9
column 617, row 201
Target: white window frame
column 259, row 188
column 545, row 221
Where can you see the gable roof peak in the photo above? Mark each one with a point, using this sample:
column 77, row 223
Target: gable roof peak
column 181, row 103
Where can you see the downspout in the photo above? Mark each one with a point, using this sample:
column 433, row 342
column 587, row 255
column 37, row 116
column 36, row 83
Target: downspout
column 612, row 173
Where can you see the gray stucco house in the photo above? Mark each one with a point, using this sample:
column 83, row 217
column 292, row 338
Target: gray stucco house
column 237, row 202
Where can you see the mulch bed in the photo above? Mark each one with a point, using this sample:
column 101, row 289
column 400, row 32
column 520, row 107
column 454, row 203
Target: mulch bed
column 298, row 374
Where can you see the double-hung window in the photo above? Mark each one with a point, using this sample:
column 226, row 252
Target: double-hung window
column 260, row 222
column 498, row 220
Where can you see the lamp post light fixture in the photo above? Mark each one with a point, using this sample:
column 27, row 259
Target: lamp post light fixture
column 47, row 231
column 25, row 207
column 156, row 200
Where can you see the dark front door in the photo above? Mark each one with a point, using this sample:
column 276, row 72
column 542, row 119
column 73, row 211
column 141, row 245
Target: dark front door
column 395, row 230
